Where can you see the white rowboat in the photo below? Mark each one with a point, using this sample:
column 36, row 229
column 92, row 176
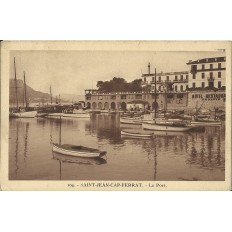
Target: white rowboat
column 78, row 151
column 137, row 134
column 27, row 114
column 157, row 127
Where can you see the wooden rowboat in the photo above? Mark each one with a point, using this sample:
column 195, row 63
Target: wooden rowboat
column 140, row 134
column 78, row 151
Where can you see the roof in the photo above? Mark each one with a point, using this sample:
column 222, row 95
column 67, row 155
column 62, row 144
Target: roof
column 165, row 74
column 208, row 60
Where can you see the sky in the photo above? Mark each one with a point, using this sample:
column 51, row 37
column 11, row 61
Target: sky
column 71, row 72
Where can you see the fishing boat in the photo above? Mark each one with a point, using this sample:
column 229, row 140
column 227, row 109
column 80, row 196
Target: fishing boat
column 138, row 133
column 29, row 114
column 127, row 120
column 206, row 122
column 22, row 112
column 54, row 115
column 205, row 119
column 78, row 151
column 76, row 114
column 163, row 124
column 168, row 126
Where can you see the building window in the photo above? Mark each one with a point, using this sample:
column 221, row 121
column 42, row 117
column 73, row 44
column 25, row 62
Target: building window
column 219, row 84
column 179, row 95
column 160, row 88
column 170, row 96
column 145, row 79
column 211, row 66
column 211, row 74
column 123, row 96
column 194, row 85
column 203, row 84
column 187, row 76
column 113, row 97
column 194, row 75
column 175, row 78
column 159, row 78
column 187, row 86
column 167, row 78
column 203, row 67
column 203, row 75
column 100, row 97
column 139, row 96
column 176, row 88
column 88, row 98
column 181, row 88
column 181, row 77
column 219, row 74
column 219, row 65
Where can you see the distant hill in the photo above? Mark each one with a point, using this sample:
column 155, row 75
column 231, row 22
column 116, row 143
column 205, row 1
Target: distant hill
column 72, row 97
column 33, row 96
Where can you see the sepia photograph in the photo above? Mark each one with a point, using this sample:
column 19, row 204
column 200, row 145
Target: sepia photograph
column 117, row 117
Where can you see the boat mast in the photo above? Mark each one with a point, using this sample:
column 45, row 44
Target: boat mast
column 16, row 87
column 25, row 90
column 51, row 93
column 155, row 93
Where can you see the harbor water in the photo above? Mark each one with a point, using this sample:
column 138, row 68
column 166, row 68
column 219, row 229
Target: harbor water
column 175, row 156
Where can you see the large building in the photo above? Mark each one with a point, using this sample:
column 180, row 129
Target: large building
column 203, row 86
column 178, row 80
column 207, row 72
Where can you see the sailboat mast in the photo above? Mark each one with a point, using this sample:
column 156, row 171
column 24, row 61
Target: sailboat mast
column 51, row 93
column 16, row 87
column 155, row 93
column 25, row 90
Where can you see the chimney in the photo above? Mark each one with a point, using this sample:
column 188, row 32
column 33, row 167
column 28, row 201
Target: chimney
column 149, row 68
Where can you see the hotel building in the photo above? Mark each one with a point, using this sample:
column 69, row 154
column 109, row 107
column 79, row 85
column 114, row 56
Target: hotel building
column 202, row 85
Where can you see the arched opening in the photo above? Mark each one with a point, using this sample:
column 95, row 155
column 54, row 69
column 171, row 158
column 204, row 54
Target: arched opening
column 176, row 88
column 88, row 105
column 112, row 105
column 123, row 106
column 94, row 105
column 106, row 105
column 155, row 105
column 99, row 105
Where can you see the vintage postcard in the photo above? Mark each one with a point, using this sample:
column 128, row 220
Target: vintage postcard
column 115, row 115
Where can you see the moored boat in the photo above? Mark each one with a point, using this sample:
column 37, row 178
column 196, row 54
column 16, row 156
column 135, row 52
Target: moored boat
column 135, row 121
column 78, row 151
column 175, row 126
column 140, row 133
column 79, row 160
column 205, row 123
column 25, row 114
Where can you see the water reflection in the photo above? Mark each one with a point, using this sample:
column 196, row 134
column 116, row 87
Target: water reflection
column 199, row 155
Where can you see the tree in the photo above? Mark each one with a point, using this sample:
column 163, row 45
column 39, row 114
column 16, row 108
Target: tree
column 118, row 84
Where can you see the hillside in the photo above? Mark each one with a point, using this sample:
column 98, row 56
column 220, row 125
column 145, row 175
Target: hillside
column 33, row 96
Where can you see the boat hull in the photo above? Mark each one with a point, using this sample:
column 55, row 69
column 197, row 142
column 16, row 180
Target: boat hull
column 156, row 127
column 65, row 151
column 28, row 114
column 130, row 121
column 78, row 115
column 138, row 135
column 196, row 123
